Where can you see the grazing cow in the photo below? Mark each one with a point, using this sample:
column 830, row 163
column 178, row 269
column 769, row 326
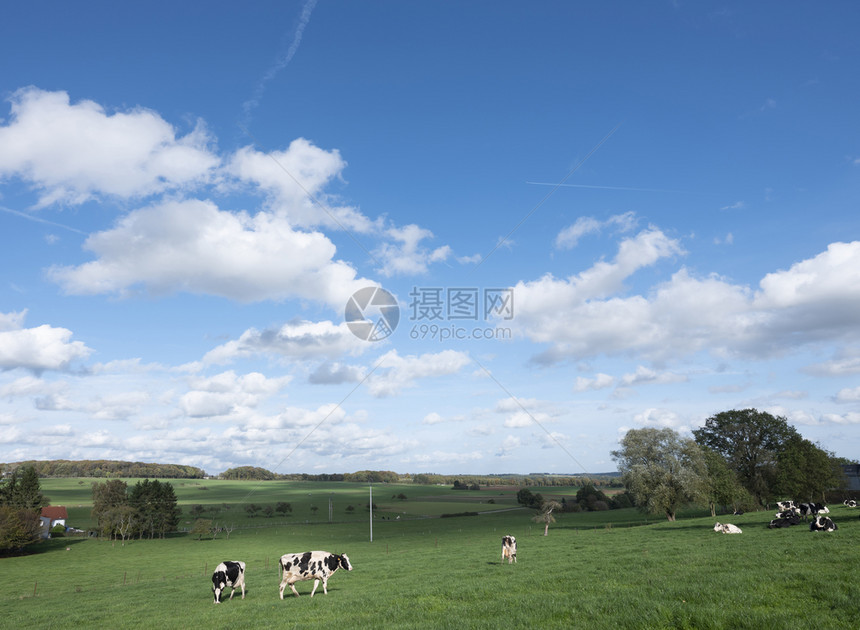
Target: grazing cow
column 784, row 522
column 850, row 503
column 810, row 509
column 727, row 528
column 311, row 565
column 509, row 549
column 228, row 574
column 782, row 506
column 822, row 524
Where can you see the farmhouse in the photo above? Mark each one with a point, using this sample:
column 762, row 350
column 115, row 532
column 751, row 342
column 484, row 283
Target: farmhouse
column 52, row 515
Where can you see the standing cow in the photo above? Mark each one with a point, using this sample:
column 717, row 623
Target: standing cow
column 231, row 573
column 311, row 565
column 509, row 549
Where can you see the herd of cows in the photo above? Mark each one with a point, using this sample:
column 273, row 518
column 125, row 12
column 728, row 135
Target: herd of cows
column 320, row 565
column 789, row 514
column 310, row 565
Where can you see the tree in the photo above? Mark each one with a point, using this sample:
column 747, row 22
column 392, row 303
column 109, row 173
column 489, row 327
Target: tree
column 196, row 510
column 283, row 508
column 527, row 498
column 588, row 497
column 722, row 487
column 804, row 471
column 268, row 511
column 545, row 516
column 201, row 526
column 22, row 490
column 252, row 509
column 156, row 507
column 750, row 441
column 108, row 497
column 661, row 470
column 19, row 527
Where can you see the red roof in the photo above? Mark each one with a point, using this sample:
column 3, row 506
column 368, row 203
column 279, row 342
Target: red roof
column 55, row 512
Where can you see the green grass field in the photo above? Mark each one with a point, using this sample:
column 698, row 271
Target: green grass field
column 594, row 570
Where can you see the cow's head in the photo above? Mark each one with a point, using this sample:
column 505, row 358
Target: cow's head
column 343, row 562
column 219, row 583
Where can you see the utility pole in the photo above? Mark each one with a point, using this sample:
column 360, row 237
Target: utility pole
column 371, row 511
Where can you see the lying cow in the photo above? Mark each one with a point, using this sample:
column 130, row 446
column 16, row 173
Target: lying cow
column 786, row 521
column 727, row 528
column 509, row 549
column 311, row 565
column 788, row 513
column 782, row 506
column 822, row 524
column 850, row 503
column 228, row 574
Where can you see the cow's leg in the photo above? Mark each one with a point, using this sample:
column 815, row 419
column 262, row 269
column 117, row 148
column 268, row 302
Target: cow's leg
column 232, row 590
column 243, row 587
column 282, row 587
column 293, row 588
column 325, row 586
column 314, row 589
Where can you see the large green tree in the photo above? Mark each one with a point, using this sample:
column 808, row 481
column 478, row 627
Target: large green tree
column 662, row 470
column 804, row 471
column 22, row 489
column 722, row 487
column 108, row 499
column 750, row 440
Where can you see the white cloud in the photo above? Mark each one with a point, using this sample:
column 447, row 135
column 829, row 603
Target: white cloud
column 294, row 180
column 396, row 373
column 192, row 246
column 659, row 418
column 644, row 375
column 847, row 394
column 40, row 348
column 406, row 256
column 569, row 237
column 294, row 340
column 600, row 381
column 581, row 317
column 226, row 393
column 72, row 153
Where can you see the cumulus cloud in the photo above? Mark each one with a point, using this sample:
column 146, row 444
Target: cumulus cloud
column 294, row 180
column 587, row 315
column 397, row 373
column 298, row 339
column 569, row 237
column 600, row 381
column 41, row 348
column 192, row 246
column 73, row 152
column 226, row 393
column 406, row 255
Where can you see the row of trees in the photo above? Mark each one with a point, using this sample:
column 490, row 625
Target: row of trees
column 147, row 509
column 740, row 458
column 108, row 468
column 21, row 500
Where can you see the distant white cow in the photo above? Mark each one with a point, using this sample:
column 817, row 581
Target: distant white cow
column 727, row 528
column 509, row 549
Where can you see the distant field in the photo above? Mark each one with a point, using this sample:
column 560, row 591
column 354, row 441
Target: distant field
column 593, row 570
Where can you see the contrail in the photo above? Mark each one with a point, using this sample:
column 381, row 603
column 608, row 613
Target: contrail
column 685, row 192
column 30, row 217
column 281, row 63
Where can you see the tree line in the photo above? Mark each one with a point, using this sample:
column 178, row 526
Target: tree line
column 108, row 469
column 744, row 459
column 148, row 509
column 21, row 501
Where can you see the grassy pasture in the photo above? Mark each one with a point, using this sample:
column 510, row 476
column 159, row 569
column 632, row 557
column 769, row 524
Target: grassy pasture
column 592, row 571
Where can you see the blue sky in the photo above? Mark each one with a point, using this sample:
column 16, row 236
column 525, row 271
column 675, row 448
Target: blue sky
column 666, row 194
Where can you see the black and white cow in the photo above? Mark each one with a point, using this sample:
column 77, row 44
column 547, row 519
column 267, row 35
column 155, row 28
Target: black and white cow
column 822, row 524
column 509, row 549
column 727, row 528
column 786, row 521
column 788, row 513
column 810, row 509
column 231, row 573
column 310, row 565
column 782, row 506
column 850, row 503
